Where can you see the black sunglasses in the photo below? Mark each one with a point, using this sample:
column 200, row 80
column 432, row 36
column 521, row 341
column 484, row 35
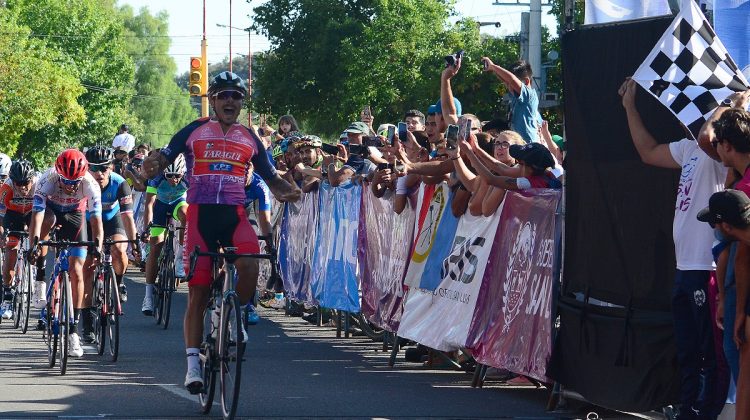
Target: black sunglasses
column 98, row 168
column 229, row 94
column 172, row 176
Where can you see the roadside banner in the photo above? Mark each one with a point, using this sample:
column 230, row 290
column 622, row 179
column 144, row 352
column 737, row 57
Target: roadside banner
column 512, row 326
column 296, row 246
column 334, row 269
column 433, row 238
column 384, row 250
column 440, row 319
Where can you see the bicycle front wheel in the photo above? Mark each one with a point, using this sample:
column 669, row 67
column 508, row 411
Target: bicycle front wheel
column 26, row 285
column 18, row 296
column 112, row 314
column 64, row 315
column 231, row 352
column 100, row 318
column 159, row 286
column 169, row 286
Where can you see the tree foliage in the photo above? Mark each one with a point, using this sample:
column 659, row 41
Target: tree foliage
column 330, row 58
column 160, row 106
column 37, row 87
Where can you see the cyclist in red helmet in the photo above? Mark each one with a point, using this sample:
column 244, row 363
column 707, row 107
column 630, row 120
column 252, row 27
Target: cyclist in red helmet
column 62, row 196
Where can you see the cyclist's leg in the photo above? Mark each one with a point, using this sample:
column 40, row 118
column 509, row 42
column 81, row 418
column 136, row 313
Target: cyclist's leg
column 197, row 295
column 115, row 229
column 246, row 241
column 180, row 213
column 40, row 290
column 73, row 228
column 12, row 221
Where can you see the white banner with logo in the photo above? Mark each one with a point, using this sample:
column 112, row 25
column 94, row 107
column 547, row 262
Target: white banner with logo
column 440, row 319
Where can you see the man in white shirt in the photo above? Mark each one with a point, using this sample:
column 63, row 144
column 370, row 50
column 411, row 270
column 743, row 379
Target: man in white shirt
column 124, row 140
column 701, row 176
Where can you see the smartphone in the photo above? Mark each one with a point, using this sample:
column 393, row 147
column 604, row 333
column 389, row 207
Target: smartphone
column 330, row 149
column 373, row 141
column 485, row 65
column 367, row 111
column 391, row 135
column 451, row 136
column 465, row 130
column 383, row 166
column 399, row 166
column 358, row 149
column 453, row 59
column 402, row 128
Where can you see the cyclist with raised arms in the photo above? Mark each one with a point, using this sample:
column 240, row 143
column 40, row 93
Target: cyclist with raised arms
column 165, row 199
column 66, row 191
column 16, row 194
column 118, row 225
column 217, row 151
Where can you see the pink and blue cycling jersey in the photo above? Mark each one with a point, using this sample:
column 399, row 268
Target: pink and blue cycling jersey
column 217, row 163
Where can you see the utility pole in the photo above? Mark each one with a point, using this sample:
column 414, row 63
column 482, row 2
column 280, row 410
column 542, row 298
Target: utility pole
column 204, row 57
column 535, row 41
column 249, row 65
column 230, row 36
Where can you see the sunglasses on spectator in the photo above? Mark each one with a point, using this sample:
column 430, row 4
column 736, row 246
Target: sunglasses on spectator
column 225, row 95
column 22, row 183
column 98, row 168
column 71, row 182
column 172, row 176
column 502, row 144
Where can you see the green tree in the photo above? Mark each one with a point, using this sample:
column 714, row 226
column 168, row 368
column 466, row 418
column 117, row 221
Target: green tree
column 160, row 106
column 330, row 58
column 37, row 87
column 87, row 37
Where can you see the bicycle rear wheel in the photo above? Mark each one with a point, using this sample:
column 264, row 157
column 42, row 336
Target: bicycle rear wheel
column 51, row 331
column 64, row 315
column 112, row 300
column 231, row 351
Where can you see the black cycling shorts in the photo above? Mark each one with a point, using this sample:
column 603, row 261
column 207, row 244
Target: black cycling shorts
column 111, row 227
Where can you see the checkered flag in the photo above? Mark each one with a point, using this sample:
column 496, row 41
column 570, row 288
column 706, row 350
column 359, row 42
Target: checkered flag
column 689, row 70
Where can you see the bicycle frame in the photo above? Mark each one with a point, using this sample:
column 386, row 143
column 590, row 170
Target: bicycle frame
column 61, row 265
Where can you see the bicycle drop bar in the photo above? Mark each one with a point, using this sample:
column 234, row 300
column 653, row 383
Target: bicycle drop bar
column 17, row 233
column 196, row 253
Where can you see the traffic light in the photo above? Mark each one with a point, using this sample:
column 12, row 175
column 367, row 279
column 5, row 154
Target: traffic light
column 198, row 78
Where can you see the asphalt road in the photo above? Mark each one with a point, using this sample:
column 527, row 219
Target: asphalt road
column 292, row 370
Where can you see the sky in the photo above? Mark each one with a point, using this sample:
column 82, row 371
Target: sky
column 185, row 24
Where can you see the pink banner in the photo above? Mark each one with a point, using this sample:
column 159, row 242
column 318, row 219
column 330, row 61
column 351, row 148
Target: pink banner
column 384, row 248
column 511, row 328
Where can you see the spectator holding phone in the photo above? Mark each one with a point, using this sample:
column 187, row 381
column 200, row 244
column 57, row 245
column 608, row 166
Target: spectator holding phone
column 357, row 157
column 448, row 107
column 535, row 162
column 524, row 114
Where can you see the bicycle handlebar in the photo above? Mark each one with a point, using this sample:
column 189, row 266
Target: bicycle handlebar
column 18, row 233
column 196, row 253
column 66, row 244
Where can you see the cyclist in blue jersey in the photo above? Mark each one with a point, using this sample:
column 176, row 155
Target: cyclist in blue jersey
column 118, row 224
column 165, row 199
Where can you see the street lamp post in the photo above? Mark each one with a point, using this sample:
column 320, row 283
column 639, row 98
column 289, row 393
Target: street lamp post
column 249, row 63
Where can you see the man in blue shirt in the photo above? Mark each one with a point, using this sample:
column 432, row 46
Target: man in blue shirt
column 524, row 114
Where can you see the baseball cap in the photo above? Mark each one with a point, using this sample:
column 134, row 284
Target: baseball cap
column 357, row 127
column 559, row 141
column 432, row 109
column 535, row 155
column 497, row 124
column 729, row 206
column 439, row 106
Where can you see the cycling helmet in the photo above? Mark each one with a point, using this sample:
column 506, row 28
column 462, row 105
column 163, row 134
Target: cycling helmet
column 308, row 141
column 99, row 155
column 177, row 167
column 71, row 164
column 227, row 80
column 21, row 171
column 4, row 164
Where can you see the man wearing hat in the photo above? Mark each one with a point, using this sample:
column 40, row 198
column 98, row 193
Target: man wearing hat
column 124, row 140
column 355, row 164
